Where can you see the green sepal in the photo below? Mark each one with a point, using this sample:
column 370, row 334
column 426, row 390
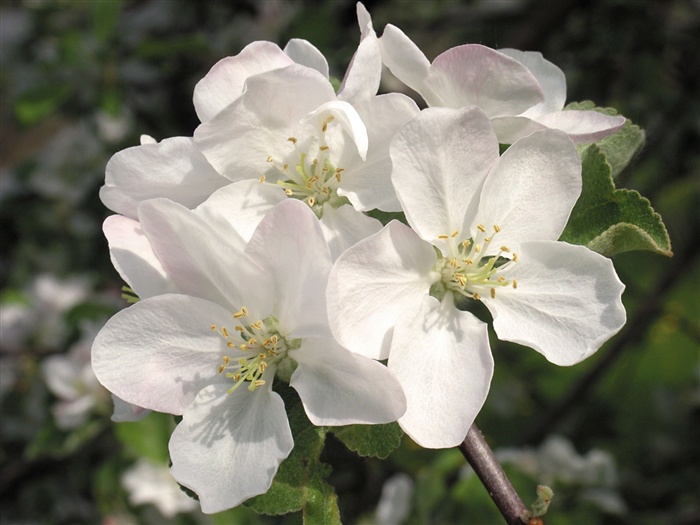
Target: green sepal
column 370, row 440
column 300, row 481
column 385, row 217
column 612, row 221
column 620, row 147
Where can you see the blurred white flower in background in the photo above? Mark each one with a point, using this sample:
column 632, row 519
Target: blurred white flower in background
column 395, row 502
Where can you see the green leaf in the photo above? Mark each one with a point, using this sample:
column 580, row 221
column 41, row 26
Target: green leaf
column 40, row 102
column 612, row 221
column 370, row 440
column 149, row 437
column 55, row 443
column 620, row 147
column 300, row 481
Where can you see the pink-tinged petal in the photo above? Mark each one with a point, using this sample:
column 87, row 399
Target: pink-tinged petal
column 441, row 159
column 583, row 127
column 511, row 129
column 228, row 447
column 242, row 205
column 133, row 258
column 373, row 282
column 473, row 74
column 225, row 80
column 404, row 59
column 203, row 261
column 551, row 79
column 442, row 358
column 531, row 190
column 338, row 387
column 305, row 53
column 368, row 184
column 289, row 245
column 173, row 169
column 344, row 227
column 160, row 352
column 348, row 120
column 362, row 78
column 241, row 138
column 566, row 305
column 124, row 412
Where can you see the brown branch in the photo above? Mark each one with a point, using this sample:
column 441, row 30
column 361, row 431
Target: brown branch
column 481, row 458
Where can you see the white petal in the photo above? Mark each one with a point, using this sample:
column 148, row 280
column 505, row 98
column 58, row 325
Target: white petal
column 239, row 140
column 473, row 74
column 373, row 282
column 566, row 305
column 133, row 258
column 344, row 227
column 368, row 184
column 173, row 168
column 510, row 129
column 228, row 447
column 362, row 78
column 551, row 79
column 442, row 358
column 583, row 127
column 225, row 80
column 441, row 159
column 531, row 190
column 405, row 60
column 160, row 352
column 124, row 411
column 203, row 261
column 289, row 245
column 242, row 205
column 338, row 387
column 305, row 53
column 347, row 118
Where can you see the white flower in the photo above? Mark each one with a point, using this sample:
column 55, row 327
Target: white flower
column 150, row 483
column 483, row 228
column 244, row 314
column 395, row 502
column 521, row 92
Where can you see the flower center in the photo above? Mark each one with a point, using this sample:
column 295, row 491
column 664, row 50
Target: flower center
column 311, row 176
column 468, row 271
column 261, row 345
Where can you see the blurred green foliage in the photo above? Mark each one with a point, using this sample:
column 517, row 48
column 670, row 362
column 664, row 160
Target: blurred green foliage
column 82, row 80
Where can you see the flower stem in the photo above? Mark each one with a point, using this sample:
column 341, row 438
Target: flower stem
column 499, row 487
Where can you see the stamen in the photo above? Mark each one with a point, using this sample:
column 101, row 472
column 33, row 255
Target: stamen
column 293, row 140
column 476, row 296
column 269, row 159
column 493, row 293
column 324, row 148
column 443, row 237
column 481, row 227
column 241, row 313
column 515, row 283
column 455, row 233
column 262, row 179
column 496, row 228
column 505, row 249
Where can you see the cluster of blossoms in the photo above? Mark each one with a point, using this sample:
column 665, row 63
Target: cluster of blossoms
column 254, row 260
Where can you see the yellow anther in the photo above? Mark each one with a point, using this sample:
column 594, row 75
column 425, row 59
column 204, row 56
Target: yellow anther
column 501, row 279
column 455, row 233
column 293, row 140
column 496, row 228
column 239, row 328
column 259, row 382
column 453, row 263
column 252, row 341
column 241, row 313
column 263, row 366
column 466, row 244
column 284, row 168
column 221, row 368
column 443, row 237
column 236, row 377
column 324, row 128
column 257, row 324
column 469, row 261
column 337, row 175
column 315, row 162
column 487, row 239
column 269, row 159
column 224, row 331
column 493, row 293
column 288, row 192
column 476, row 296
column 461, row 278
column 261, row 179
column 324, row 148
column 274, row 339
column 311, row 201
column 515, row 283
column 515, row 257
column 325, row 191
column 477, row 248
column 505, row 249
column 338, row 171
column 244, row 347
column 213, row 327
column 226, row 359
column 325, row 169
column 481, row 227
column 230, row 345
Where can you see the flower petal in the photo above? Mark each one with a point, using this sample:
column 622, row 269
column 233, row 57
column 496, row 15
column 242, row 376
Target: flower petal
column 404, row 59
column 373, row 282
column 338, row 387
column 441, row 159
column 242, row 205
column 473, row 74
column 551, row 79
column 225, row 80
column 305, row 53
column 289, row 245
column 344, row 227
column 160, row 352
column 510, row 129
column 566, row 305
column 259, row 123
column 368, row 184
column 362, row 78
column 173, row 169
column 133, row 258
column 531, row 190
column 228, row 447
column 583, row 127
column 442, row 358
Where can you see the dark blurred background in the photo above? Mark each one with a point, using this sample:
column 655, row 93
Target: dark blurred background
column 616, row 436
